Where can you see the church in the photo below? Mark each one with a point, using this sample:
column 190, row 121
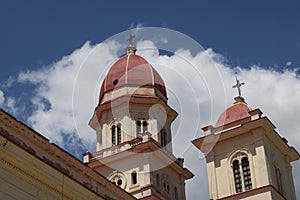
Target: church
column 245, row 157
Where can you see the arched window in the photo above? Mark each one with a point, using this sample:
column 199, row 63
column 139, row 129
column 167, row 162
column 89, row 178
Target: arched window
column 175, row 193
column 113, row 135
column 166, row 185
column 138, row 128
column 237, row 176
column 163, row 137
column 145, row 126
column 279, row 180
column 242, row 182
column 246, row 173
column 157, row 180
column 116, row 134
column 141, row 127
column 118, row 178
column 134, row 177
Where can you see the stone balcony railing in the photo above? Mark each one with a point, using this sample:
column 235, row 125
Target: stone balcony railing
column 145, row 137
column 89, row 157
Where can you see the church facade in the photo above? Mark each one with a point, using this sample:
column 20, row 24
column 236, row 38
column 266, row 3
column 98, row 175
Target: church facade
column 246, row 158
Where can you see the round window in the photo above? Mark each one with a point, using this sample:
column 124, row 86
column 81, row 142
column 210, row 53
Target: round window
column 119, row 179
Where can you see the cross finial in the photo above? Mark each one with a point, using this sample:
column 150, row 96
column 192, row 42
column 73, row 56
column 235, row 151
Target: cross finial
column 130, row 49
column 130, row 39
column 238, row 85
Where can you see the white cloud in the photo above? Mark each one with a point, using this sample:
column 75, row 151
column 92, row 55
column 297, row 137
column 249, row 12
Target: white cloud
column 10, row 103
column 67, row 92
column 207, row 82
column 2, row 98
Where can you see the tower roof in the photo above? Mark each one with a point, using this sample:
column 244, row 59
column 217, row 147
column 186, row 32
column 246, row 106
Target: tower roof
column 132, row 70
column 239, row 110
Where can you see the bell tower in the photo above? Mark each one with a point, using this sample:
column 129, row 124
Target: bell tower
column 245, row 157
column 133, row 127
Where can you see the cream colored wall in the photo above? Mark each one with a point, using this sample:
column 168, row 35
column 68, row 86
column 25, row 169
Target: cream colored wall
column 138, row 163
column 262, row 193
column 277, row 159
column 262, row 153
column 157, row 119
column 262, row 196
column 220, row 175
column 132, row 90
column 174, row 179
column 146, row 166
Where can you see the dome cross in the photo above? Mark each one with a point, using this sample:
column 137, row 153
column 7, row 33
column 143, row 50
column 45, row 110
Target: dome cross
column 130, row 49
column 238, row 85
column 130, row 39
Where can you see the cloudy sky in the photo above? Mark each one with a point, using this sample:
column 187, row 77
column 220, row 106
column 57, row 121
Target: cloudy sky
column 54, row 56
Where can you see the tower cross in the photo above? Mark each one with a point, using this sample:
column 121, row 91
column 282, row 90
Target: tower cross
column 130, row 39
column 130, row 49
column 238, row 85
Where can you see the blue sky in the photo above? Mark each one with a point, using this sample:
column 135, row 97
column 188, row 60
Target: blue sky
column 42, row 44
column 35, row 32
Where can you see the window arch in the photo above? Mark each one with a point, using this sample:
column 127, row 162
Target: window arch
column 237, row 176
column 241, row 173
column 166, row 185
column 141, row 127
column 134, row 177
column 113, row 134
column 138, row 128
column 145, row 126
column 246, row 173
column 119, row 133
column 118, row 178
column 116, row 137
column 176, row 193
column 279, row 180
column 163, row 137
column 157, row 180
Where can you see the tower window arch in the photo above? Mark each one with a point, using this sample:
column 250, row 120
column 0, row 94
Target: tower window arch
column 279, row 180
column 175, row 193
column 157, row 180
column 113, row 134
column 145, row 126
column 166, row 185
column 119, row 133
column 241, row 173
column 141, row 127
column 134, row 177
column 246, row 173
column 237, row 176
column 116, row 137
column 163, row 137
column 119, row 179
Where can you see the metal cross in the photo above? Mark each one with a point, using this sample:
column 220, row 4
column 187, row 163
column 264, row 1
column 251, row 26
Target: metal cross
column 238, row 85
column 130, row 39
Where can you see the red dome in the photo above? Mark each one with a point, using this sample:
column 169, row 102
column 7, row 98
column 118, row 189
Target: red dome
column 238, row 111
column 131, row 70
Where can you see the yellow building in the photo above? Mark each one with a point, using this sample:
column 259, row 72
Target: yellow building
column 33, row 168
